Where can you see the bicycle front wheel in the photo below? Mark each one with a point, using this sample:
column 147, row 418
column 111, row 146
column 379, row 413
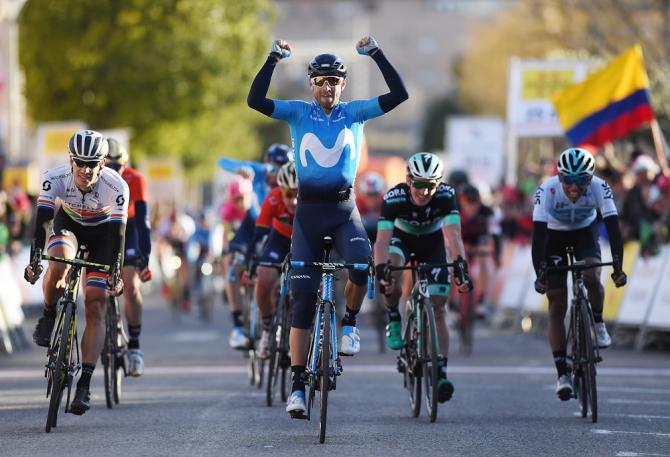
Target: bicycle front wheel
column 108, row 357
column 409, row 360
column 275, row 359
column 589, row 362
column 59, row 372
column 430, row 349
column 325, row 368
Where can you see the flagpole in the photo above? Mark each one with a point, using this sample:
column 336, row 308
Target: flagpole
column 661, row 147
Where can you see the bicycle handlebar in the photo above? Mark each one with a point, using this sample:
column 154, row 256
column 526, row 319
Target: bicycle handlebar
column 580, row 266
column 332, row 267
column 78, row 262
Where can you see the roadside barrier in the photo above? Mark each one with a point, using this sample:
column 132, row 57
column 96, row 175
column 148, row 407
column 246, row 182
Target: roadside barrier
column 642, row 307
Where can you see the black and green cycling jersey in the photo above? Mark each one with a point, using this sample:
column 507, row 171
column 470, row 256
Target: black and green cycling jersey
column 398, row 211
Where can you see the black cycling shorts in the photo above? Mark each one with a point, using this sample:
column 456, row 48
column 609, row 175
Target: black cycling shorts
column 427, row 249
column 585, row 244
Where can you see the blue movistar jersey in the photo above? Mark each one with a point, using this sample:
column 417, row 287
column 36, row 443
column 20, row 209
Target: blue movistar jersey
column 260, row 186
column 327, row 148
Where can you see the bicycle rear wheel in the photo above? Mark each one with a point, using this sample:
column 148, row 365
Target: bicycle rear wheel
column 59, row 372
column 412, row 367
column 589, row 366
column 325, row 368
column 108, row 356
column 430, row 351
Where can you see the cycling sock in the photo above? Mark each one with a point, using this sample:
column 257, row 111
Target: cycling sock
column 560, row 362
column 393, row 313
column 442, row 365
column 134, row 336
column 349, row 317
column 298, row 377
column 598, row 317
column 266, row 322
column 49, row 311
column 237, row 318
column 86, row 373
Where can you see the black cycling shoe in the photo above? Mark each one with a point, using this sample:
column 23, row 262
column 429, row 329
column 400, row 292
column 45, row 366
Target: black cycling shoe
column 42, row 333
column 445, row 390
column 81, row 402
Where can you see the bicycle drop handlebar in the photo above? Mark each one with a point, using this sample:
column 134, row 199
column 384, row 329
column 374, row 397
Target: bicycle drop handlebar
column 332, row 267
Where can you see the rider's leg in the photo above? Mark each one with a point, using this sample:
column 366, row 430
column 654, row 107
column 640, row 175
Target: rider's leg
column 53, row 285
column 133, row 305
column 439, row 306
column 351, row 241
column 558, row 303
column 595, row 289
column 266, row 282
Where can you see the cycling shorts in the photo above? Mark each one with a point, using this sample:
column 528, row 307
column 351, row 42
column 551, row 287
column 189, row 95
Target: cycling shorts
column 427, row 249
column 131, row 247
column 98, row 239
column 584, row 241
column 313, row 221
column 276, row 248
column 244, row 235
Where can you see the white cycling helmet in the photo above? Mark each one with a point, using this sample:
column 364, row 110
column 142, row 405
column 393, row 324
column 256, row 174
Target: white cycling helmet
column 286, row 177
column 88, row 145
column 576, row 162
column 371, row 183
column 425, row 166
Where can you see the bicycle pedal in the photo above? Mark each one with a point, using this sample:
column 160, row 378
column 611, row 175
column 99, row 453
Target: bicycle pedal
column 298, row 415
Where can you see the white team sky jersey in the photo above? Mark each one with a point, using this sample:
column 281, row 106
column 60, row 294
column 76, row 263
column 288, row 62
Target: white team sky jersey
column 106, row 202
column 552, row 206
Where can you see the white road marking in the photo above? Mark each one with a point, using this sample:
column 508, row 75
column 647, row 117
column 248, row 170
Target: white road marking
column 630, row 416
column 636, row 454
column 627, row 401
column 38, row 372
column 625, row 432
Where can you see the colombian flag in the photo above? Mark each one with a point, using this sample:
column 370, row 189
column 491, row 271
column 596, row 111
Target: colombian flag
column 608, row 104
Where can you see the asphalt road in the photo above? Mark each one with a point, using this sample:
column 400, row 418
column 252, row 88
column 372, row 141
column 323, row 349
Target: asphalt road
column 194, row 399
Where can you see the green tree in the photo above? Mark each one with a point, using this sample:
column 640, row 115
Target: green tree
column 175, row 71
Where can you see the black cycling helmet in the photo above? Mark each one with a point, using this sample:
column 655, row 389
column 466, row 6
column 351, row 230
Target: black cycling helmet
column 471, row 194
column 458, row 179
column 326, row 65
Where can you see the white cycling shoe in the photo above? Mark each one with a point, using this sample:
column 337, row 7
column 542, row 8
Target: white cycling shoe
column 135, row 363
column 603, row 339
column 263, row 350
column 564, row 387
column 350, row 342
column 238, row 340
column 295, row 405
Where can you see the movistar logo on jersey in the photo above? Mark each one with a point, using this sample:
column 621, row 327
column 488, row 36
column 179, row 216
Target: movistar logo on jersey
column 323, row 156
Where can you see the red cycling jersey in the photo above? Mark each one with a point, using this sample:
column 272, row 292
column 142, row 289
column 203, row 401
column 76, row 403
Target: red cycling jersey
column 137, row 184
column 274, row 213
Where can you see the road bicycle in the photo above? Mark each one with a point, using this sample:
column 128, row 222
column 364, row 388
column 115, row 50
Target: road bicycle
column 582, row 350
column 418, row 358
column 63, row 355
column 279, row 366
column 323, row 361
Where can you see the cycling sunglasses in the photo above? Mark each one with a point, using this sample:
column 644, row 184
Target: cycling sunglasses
column 331, row 80
column 114, row 166
column 581, row 181
column 291, row 194
column 86, row 163
column 430, row 185
column 271, row 169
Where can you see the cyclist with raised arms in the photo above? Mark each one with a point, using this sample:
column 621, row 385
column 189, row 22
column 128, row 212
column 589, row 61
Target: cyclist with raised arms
column 137, row 250
column 416, row 217
column 565, row 215
column 276, row 222
column 93, row 211
column 327, row 135
column 264, row 180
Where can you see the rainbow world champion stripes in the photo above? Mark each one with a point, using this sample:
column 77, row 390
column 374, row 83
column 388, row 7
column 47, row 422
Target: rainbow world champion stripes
column 608, row 104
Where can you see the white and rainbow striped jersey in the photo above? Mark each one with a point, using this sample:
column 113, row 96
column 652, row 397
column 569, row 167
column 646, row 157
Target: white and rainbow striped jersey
column 106, row 202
